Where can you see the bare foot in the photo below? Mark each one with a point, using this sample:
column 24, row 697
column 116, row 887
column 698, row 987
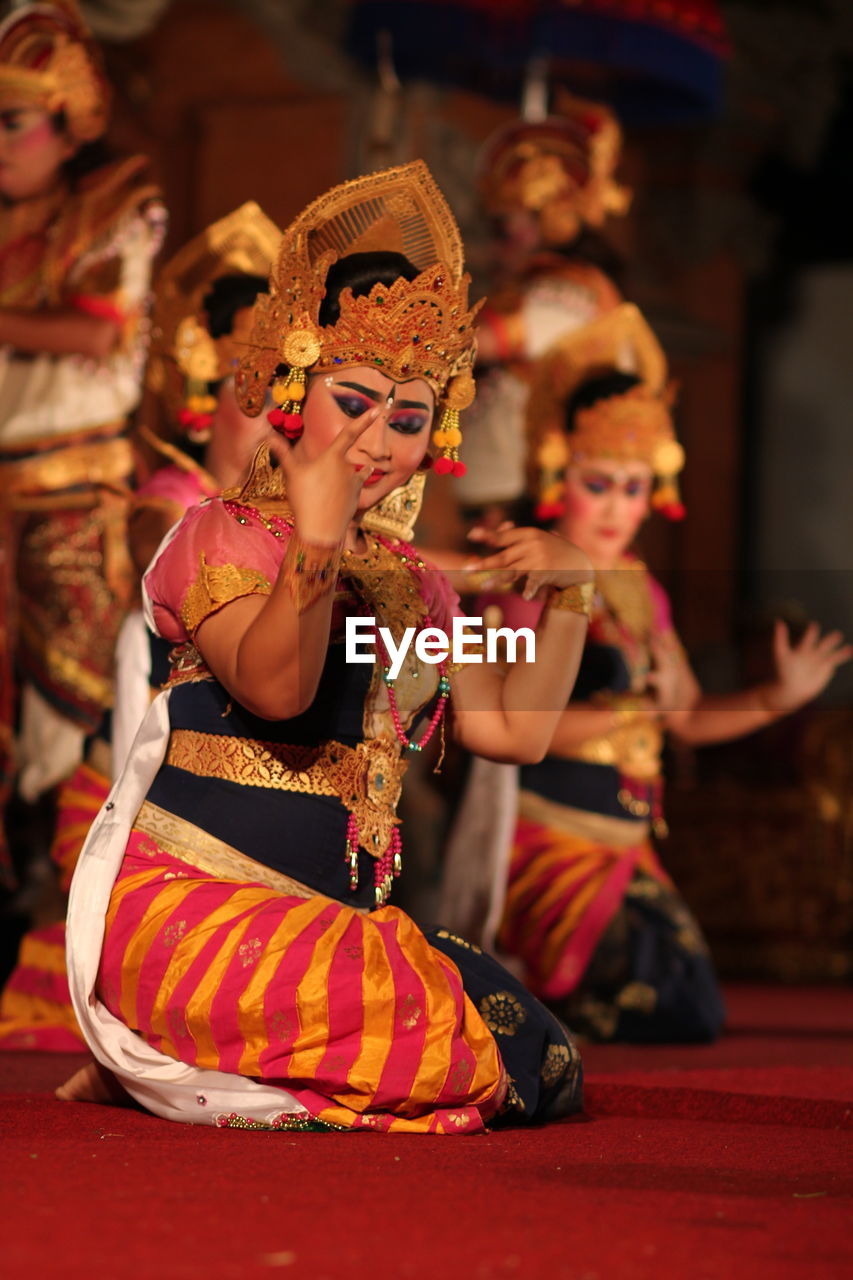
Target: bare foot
column 93, row 1083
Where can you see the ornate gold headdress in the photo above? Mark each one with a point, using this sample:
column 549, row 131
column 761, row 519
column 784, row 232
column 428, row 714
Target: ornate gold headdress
column 49, row 59
column 634, row 426
column 421, row 328
column 560, row 168
column 184, row 357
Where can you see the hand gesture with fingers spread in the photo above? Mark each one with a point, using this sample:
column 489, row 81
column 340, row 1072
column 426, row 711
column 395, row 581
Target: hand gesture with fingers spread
column 539, row 559
column 803, row 670
column 323, row 491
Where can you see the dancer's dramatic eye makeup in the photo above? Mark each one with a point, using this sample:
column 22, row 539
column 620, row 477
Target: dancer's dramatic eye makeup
column 409, row 423
column 596, row 482
column 351, row 404
column 14, row 120
column 409, row 416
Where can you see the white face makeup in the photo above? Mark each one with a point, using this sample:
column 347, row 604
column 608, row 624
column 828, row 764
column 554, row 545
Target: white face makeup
column 32, row 153
column 395, row 443
column 606, row 501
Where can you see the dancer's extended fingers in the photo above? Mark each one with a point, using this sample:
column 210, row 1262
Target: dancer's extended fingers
column 830, row 642
column 353, row 431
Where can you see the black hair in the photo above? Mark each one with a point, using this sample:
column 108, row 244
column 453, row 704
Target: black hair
column 602, row 386
column 360, row 272
column 88, row 157
column 228, row 295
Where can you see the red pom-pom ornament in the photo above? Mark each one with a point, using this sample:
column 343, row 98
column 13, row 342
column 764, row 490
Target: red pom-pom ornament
column 443, row 466
column 674, row 511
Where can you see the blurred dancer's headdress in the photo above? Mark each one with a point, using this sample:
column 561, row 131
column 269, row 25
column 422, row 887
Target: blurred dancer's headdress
column 184, row 357
column 49, row 59
column 633, row 426
column 421, row 328
column 559, row 168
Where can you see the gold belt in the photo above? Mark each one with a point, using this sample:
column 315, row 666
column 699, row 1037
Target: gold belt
column 101, row 462
column 633, row 748
column 198, row 848
column 367, row 779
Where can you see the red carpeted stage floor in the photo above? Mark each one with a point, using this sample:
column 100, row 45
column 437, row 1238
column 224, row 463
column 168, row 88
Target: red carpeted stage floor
column 733, row 1160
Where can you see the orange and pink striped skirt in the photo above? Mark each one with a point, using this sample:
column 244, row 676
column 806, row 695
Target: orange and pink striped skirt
column 363, row 1021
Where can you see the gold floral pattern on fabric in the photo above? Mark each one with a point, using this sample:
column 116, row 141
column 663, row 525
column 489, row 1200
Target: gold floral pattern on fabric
column 74, row 586
column 173, row 933
column 555, row 1064
column 218, row 585
column 461, row 1074
column 410, row 1012
column 459, row 942
column 600, row 1017
column 513, row 1100
column 367, row 779
column 502, row 1013
column 386, row 585
column 250, row 952
column 639, row 997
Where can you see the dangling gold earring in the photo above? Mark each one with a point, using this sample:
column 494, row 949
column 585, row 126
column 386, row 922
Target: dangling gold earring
column 447, row 436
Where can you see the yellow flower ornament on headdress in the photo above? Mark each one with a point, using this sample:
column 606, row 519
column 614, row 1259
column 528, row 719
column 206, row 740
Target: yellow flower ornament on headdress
column 420, row 328
column 49, row 59
column 634, row 426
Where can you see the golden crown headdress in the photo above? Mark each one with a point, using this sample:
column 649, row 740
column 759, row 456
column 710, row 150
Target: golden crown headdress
column 635, row 426
column 420, row 328
column 184, row 357
column 49, row 59
column 559, row 168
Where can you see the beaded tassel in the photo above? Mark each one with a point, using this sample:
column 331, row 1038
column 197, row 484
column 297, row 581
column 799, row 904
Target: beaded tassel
column 386, row 868
column 288, row 394
column 352, row 851
column 448, row 437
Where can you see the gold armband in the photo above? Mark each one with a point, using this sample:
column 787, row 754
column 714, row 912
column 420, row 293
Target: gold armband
column 309, row 570
column 626, row 708
column 575, row 599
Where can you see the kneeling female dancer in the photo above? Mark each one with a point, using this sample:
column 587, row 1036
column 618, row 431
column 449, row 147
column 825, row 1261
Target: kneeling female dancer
column 232, row 958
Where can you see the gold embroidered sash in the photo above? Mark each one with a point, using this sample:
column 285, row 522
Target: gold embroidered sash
column 367, row 779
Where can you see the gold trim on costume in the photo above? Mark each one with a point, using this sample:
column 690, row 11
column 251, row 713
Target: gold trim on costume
column 103, row 462
column 218, row 585
column 600, row 827
column 574, row 599
column 198, row 848
column 65, row 670
column 367, row 779
column 396, row 514
column 633, row 748
column 309, row 570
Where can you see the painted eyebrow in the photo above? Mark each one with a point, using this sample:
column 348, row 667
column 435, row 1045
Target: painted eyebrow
column 376, row 396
